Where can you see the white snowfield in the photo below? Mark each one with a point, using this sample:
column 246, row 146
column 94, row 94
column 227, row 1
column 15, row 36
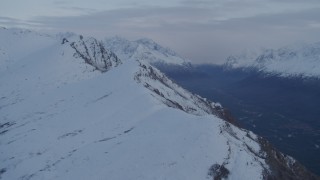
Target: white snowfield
column 61, row 118
column 301, row 60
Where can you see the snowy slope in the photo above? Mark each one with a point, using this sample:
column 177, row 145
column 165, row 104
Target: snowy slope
column 144, row 49
column 62, row 118
column 297, row 60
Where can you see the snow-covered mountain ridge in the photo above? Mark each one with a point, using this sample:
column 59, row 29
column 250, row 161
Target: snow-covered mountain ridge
column 66, row 113
column 144, row 49
column 301, row 60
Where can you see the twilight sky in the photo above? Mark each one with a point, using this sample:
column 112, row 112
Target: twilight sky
column 200, row 30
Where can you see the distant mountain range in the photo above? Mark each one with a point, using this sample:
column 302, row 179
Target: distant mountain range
column 301, row 60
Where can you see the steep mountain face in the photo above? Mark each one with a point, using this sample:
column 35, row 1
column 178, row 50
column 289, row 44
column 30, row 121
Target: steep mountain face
column 292, row 61
column 93, row 52
column 64, row 117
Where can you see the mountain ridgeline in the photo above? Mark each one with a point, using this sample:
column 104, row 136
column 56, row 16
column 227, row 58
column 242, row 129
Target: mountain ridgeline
column 73, row 107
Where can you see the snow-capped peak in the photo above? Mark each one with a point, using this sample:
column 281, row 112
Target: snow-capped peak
column 145, row 49
column 296, row 60
column 154, row 46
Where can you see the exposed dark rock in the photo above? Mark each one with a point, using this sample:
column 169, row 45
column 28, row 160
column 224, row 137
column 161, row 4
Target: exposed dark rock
column 126, row 131
column 283, row 167
column 218, row 172
column 94, row 53
column 64, row 40
column 2, row 171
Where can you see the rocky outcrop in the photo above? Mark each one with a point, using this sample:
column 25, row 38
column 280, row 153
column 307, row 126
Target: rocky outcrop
column 94, row 53
column 282, row 166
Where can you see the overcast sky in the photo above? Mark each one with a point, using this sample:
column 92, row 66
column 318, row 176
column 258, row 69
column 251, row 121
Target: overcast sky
column 200, row 30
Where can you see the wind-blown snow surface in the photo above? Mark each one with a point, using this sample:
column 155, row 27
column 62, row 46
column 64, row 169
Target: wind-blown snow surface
column 61, row 118
column 301, row 60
